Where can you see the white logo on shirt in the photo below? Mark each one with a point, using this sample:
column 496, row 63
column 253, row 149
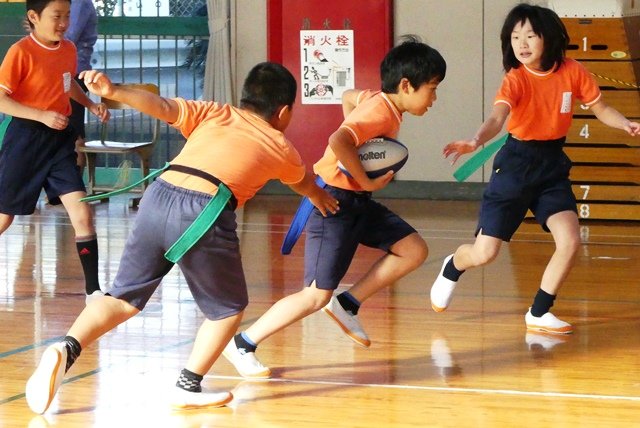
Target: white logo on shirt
column 566, row 102
column 66, row 81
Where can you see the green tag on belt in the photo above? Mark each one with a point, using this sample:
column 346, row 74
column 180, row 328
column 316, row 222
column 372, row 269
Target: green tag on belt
column 200, row 225
column 3, row 128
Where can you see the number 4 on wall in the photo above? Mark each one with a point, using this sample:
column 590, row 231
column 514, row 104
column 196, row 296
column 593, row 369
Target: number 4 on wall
column 584, row 132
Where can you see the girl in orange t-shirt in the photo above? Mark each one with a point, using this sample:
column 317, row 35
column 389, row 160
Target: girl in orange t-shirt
column 531, row 171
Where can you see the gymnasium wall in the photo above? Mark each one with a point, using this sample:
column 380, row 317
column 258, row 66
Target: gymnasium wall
column 466, row 32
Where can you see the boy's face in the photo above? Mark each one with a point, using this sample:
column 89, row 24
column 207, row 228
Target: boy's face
column 50, row 25
column 418, row 101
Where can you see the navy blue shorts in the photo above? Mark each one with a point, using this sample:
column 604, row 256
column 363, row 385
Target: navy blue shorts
column 331, row 241
column 526, row 176
column 212, row 267
column 34, row 156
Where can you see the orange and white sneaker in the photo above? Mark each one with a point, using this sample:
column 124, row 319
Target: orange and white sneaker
column 93, row 296
column 182, row 399
column 442, row 289
column 349, row 324
column 246, row 363
column 547, row 323
column 45, row 381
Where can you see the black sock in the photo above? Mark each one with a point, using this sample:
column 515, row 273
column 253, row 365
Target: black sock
column 348, row 302
column 542, row 303
column 244, row 346
column 451, row 272
column 189, row 381
column 73, row 350
column 88, row 252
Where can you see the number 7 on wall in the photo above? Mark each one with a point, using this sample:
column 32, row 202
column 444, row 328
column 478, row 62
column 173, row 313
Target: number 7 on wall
column 586, row 189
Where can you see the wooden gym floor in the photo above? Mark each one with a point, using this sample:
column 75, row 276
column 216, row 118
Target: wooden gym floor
column 471, row 366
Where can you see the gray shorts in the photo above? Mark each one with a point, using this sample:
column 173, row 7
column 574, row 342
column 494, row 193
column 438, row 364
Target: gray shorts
column 212, row 267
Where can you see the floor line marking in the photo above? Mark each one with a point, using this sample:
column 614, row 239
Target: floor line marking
column 443, row 389
column 30, row 347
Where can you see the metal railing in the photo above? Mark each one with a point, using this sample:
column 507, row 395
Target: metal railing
column 165, row 50
column 148, row 50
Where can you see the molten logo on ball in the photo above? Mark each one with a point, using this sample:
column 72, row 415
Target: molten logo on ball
column 372, row 155
column 380, row 155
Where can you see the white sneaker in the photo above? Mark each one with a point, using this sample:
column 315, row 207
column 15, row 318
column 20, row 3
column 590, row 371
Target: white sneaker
column 183, row 399
column 547, row 322
column 245, row 363
column 45, row 381
column 350, row 324
column 442, row 289
column 93, row 296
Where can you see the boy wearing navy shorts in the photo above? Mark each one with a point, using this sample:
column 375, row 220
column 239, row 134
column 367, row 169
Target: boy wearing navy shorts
column 37, row 150
column 230, row 154
column 410, row 74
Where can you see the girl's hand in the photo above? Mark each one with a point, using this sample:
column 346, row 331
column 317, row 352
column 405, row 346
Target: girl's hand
column 458, row 148
column 101, row 111
column 633, row 128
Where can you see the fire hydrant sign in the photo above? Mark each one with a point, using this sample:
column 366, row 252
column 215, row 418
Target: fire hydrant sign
column 326, row 60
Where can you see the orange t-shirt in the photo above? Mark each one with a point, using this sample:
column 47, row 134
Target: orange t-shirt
column 38, row 76
column 542, row 103
column 375, row 115
column 236, row 146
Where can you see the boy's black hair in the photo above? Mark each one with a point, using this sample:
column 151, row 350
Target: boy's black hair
column 416, row 61
column 546, row 24
column 37, row 6
column 268, row 87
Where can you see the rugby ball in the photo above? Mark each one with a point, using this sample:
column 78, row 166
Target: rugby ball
column 380, row 155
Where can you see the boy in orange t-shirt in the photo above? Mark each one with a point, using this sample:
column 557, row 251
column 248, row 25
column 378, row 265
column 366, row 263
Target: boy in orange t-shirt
column 37, row 150
column 240, row 148
column 410, row 74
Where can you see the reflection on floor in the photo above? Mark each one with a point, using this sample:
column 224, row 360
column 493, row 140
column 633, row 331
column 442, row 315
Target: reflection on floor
column 472, row 365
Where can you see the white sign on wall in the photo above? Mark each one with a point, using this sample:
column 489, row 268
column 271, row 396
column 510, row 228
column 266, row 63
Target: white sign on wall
column 326, row 65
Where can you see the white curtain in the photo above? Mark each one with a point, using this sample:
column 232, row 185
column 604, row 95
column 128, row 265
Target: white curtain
column 217, row 74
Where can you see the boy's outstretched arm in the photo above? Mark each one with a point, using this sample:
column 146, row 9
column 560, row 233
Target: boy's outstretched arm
column 318, row 197
column 146, row 102
column 489, row 129
column 613, row 118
